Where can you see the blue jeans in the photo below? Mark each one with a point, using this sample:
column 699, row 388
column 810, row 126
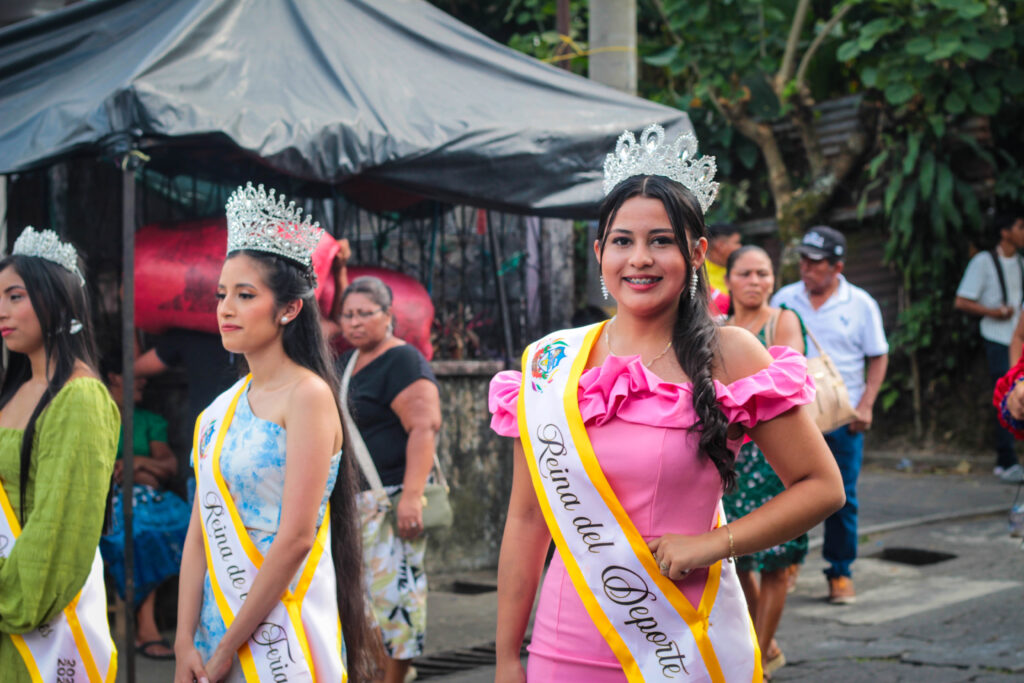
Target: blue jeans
column 998, row 356
column 840, row 548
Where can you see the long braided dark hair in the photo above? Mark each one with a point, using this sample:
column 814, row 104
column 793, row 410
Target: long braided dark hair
column 304, row 343
column 695, row 335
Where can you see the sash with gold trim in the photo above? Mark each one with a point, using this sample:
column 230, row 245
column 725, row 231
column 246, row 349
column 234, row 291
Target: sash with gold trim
column 75, row 646
column 654, row 631
column 300, row 640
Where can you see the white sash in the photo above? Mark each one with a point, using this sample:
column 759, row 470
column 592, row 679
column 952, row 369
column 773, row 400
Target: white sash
column 300, row 640
column 649, row 624
column 75, row 646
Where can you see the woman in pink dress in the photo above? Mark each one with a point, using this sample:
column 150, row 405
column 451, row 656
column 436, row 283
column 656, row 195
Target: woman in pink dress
column 665, row 397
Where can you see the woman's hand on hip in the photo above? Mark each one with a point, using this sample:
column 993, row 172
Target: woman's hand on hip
column 410, row 515
column 677, row 555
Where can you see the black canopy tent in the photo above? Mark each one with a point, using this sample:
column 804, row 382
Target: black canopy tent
column 394, row 91
column 391, row 93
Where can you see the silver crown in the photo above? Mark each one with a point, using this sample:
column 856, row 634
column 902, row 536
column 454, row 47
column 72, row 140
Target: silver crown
column 652, row 156
column 260, row 221
column 45, row 244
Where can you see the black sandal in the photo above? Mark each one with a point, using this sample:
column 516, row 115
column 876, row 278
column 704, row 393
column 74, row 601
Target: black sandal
column 143, row 649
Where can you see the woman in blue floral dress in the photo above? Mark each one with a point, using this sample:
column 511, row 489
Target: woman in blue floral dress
column 277, row 581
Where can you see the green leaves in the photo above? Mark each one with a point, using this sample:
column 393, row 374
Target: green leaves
column 899, row 93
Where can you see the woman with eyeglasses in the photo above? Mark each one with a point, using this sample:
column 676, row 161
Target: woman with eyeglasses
column 392, row 397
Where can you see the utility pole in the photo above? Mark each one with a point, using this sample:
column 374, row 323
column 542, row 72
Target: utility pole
column 612, row 38
column 611, row 34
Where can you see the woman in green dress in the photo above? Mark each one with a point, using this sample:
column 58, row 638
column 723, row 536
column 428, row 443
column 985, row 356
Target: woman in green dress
column 751, row 282
column 58, row 435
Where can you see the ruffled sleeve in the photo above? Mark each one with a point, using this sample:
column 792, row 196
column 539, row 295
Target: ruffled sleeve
column 769, row 392
column 502, row 400
column 1003, row 388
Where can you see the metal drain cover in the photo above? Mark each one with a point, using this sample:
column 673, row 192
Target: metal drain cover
column 912, row 556
column 454, row 661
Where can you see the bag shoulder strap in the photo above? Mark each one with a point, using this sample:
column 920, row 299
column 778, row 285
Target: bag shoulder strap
column 999, row 273
column 771, row 326
column 358, row 445
column 821, row 351
column 362, row 453
column 803, row 328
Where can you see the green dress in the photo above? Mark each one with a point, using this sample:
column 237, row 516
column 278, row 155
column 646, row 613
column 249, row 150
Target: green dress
column 756, row 484
column 72, row 460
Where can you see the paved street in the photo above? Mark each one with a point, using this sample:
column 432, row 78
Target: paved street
column 957, row 620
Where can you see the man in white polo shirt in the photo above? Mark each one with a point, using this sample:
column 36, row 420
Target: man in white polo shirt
column 993, row 289
column 847, row 323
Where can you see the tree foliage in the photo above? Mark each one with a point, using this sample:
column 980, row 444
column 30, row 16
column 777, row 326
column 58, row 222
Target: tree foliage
column 948, row 77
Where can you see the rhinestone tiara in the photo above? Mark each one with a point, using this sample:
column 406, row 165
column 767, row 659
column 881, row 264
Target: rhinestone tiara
column 261, row 221
column 45, row 244
column 651, row 156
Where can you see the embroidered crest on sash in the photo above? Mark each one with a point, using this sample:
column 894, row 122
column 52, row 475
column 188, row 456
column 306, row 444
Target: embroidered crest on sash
column 545, row 363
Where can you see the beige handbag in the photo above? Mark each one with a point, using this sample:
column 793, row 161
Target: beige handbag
column 831, row 408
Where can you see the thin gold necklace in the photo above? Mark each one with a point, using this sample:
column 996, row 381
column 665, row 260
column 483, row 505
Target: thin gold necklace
column 648, row 364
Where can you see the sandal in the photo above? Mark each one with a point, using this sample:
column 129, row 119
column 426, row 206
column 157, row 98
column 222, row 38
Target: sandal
column 144, row 649
column 773, row 664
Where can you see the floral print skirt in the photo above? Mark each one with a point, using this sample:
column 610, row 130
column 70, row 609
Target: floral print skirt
column 756, row 484
column 395, row 578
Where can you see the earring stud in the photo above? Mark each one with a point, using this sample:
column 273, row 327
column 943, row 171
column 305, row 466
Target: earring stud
column 284, row 320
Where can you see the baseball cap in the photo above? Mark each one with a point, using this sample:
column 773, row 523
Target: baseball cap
column 823, row 242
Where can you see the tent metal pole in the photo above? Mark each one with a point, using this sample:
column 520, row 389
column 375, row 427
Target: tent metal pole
column 506, row 323
column 128, row 407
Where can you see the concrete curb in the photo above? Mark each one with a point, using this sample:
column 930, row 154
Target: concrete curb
column 919, row 521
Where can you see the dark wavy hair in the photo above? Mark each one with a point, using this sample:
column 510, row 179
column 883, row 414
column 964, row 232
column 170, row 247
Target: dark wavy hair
column 695, row 335
column 304, row 343
column 731, row 261
column 57, row 297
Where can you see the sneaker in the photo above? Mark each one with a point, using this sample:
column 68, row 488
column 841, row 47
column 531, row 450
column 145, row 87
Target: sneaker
column 840, row 590
column 998, row 470
column 1013, row 474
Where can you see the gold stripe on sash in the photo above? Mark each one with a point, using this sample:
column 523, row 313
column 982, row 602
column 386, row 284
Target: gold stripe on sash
column 26, row 656
column 80, row 641
column 293, row 600
column 696, row 619
column 12, row 519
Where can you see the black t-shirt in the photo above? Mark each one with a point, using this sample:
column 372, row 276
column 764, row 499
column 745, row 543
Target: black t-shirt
column 370, row 393
column 207, row 365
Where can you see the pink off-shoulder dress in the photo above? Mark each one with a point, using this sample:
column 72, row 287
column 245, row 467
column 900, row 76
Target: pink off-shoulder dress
column 639, row 426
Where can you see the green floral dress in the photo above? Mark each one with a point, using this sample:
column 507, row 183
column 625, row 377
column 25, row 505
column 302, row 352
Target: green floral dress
column 756, row 484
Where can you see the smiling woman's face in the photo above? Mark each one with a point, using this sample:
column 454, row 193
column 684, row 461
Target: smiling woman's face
column 642, row 262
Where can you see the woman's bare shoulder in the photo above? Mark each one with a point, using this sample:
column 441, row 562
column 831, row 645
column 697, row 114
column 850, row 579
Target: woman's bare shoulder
column 741, row 354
